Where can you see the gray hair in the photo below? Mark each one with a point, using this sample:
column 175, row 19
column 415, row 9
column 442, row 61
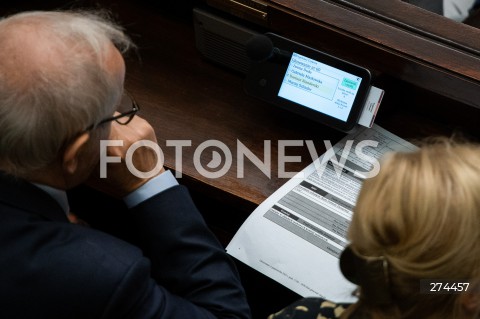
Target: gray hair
column 53, row 83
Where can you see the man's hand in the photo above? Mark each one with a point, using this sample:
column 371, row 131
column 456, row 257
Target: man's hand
column 120, row 180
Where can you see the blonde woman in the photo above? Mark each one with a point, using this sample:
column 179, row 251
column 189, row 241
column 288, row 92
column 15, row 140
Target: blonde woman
column 414, row 240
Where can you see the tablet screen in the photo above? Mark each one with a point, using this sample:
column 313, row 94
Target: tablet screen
column 320, row 87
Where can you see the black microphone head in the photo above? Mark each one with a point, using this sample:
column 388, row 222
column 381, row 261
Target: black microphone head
column 259, row 48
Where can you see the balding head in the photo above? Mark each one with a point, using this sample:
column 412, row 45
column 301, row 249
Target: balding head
column 59, row 74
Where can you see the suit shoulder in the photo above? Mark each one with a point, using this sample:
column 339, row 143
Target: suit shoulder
column 74, row 267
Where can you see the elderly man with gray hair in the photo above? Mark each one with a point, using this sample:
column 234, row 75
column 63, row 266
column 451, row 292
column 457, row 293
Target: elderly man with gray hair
column 61, row 93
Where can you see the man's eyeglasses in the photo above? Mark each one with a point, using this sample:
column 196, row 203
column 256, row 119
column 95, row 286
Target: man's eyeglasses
column 127, row 108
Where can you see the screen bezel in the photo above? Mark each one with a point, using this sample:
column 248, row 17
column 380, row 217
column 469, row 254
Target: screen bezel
column 265, row 79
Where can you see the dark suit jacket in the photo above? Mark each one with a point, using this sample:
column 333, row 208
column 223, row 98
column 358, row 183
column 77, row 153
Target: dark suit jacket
column 53, row 269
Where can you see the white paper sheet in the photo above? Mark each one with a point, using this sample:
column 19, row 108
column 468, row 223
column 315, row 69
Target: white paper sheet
column 297, row 234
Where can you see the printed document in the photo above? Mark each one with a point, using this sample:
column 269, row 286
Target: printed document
column 296, row 235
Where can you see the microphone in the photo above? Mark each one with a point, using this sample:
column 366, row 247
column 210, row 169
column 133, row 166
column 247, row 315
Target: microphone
column 260, row 48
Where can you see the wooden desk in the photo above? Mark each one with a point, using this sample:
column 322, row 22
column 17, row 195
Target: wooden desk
column 188, row 98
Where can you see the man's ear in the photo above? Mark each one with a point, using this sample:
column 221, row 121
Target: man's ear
column 72, row 152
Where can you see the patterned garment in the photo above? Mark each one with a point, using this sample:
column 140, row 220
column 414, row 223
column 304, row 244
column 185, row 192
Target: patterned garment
column 311, row 308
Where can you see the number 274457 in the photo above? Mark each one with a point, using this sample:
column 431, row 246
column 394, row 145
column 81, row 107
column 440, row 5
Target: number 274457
column 443, row 286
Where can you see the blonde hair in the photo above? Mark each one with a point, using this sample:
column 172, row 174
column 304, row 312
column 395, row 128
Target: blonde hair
column 422, row 213
column 53, row 82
